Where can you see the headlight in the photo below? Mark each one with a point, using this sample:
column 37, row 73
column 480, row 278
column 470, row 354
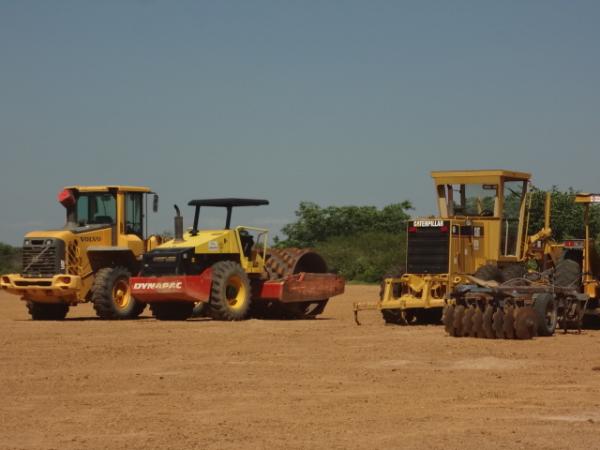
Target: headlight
column 48, row 242
column 26, row 242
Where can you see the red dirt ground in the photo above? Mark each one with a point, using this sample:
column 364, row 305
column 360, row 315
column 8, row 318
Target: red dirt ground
column 326, row 383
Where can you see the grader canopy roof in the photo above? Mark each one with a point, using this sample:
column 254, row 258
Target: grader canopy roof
column 477, row 176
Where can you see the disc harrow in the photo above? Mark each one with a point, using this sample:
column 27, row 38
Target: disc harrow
column 508, row 311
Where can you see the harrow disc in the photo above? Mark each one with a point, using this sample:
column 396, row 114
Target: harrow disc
column 467, row 322
column 477, row 330
column 457, row 324
column 525, row 323
column 498, row 323
column 487, row 324
column 448, row 319
column 509, row 322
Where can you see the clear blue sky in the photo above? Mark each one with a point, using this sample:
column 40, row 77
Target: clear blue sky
column 345, row 102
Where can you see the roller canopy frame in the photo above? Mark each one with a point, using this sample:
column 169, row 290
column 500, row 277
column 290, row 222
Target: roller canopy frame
column 228, row 203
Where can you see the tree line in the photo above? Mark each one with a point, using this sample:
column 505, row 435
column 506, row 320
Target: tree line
column 364, row 243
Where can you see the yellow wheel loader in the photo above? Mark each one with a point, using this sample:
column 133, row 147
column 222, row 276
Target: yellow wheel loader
column 91, row 258
column 232, row 273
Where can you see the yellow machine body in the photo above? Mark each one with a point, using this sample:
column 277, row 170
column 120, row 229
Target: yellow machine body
column 482, row 220
column 228, row 242
column 105, row 226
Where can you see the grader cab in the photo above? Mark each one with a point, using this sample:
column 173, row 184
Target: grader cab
column 91, row 258
column 232, row 273
column 481, row 230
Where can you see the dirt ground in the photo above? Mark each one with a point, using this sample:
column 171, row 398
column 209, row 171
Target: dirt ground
column 326, row 383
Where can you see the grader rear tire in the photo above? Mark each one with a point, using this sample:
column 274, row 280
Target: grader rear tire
column 547, row 314
column 230, row 295
column 111, row 295
column 47, row 311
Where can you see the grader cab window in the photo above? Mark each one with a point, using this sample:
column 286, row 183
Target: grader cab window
column 514, row 195
column 471, row 199
column 96, row 208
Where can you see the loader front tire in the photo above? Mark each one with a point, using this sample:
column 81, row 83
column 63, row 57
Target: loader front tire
column 47, row 311
column 230, row 295
column 111, row 295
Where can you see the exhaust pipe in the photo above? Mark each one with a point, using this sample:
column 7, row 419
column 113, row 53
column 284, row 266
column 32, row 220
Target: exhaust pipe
column 178, row 225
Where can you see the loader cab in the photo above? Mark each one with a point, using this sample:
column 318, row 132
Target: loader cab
column 117, row 213
column 488, row 205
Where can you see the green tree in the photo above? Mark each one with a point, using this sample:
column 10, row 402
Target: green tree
column 10, row 258
column 315, row 224
column 566, row 217
column 360, row 242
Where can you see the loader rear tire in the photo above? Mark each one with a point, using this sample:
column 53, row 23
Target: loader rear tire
column 567, row 274
column 488, row 272
column 230, row 295
column 547, row 314
column 47, row 311
column 172, row 310
column 111, row 295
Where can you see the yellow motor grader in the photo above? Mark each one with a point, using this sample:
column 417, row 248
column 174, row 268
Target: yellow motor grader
column 479, row 240
column 91, row 258
column 232, row 273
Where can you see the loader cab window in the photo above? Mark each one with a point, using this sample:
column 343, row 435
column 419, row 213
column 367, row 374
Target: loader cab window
column 96, row 208
column 514, row 195
column 477, row 200
column 134, row 214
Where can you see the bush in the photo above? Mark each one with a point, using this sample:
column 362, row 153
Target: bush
column 365, row 256
column 10, row 258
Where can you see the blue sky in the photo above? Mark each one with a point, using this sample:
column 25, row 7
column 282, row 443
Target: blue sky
column 339, row 102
